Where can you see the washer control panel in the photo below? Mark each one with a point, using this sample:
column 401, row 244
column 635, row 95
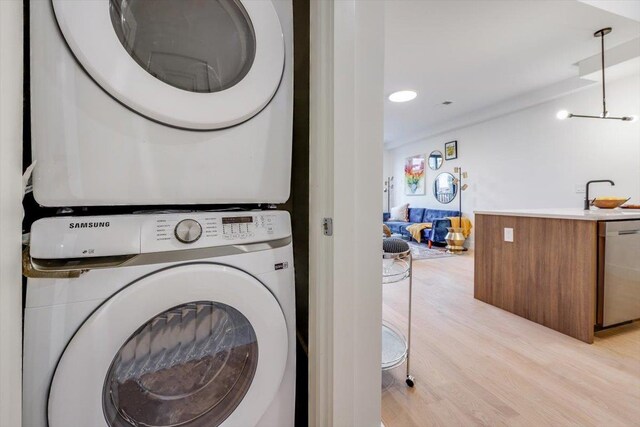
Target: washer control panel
column 205, row 229
column 79, row 237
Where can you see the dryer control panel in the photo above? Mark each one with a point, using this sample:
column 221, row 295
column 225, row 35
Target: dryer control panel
column 80, row 237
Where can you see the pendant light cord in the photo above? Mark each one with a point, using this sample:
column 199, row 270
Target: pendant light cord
column 604, row 102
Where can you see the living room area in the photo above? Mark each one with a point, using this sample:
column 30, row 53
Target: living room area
column 494, row 109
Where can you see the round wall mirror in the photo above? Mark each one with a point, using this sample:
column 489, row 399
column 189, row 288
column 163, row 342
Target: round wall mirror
column 435, row 160
column 445, row 188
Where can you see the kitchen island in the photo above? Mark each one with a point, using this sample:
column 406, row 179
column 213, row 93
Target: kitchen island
column 542, row 264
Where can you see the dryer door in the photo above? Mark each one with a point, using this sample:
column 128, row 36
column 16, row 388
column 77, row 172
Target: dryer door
column 191, row 64
column 197, row 345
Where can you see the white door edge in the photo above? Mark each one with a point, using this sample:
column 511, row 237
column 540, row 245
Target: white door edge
column 346, row 115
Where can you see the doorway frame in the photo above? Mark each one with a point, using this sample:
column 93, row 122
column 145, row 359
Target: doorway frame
column 346, row 150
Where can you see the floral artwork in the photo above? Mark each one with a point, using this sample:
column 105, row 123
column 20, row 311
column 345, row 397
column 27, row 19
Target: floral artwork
column 414, row 175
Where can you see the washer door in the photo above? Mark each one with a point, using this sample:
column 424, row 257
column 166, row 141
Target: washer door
column 197, row 345
column 190, row 63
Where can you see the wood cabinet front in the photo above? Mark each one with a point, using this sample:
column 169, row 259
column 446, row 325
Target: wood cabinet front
column 547, row 274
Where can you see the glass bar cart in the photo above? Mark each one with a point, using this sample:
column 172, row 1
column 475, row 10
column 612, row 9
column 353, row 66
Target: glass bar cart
column 396, row 350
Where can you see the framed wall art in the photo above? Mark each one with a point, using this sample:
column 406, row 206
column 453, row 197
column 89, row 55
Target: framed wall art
column 451, row 150
column 414, row 176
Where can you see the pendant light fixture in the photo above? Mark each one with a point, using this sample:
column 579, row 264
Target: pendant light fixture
column 564, row 114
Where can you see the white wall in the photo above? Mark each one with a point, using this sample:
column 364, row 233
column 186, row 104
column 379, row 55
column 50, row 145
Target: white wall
column 10, row 211
column 529, row 159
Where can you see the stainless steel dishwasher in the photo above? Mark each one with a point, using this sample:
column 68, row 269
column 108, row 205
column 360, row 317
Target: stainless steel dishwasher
column 618, row 272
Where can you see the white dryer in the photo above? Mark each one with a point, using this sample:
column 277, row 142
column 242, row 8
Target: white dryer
column 160, row 320
column 137, row 102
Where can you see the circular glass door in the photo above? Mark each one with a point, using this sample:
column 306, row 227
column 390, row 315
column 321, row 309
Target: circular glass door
column 195, row 345
column 192, row 64
column 191, row 365
column 189, row 44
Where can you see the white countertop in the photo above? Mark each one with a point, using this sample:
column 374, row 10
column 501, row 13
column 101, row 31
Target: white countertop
column 594, row 214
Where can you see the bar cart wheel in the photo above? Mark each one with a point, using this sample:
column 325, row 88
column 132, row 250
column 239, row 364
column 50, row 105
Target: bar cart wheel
column 410, row 381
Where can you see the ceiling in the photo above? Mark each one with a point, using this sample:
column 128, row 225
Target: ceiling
column 483, row 53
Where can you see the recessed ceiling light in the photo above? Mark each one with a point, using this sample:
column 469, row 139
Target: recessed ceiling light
column 402, row 96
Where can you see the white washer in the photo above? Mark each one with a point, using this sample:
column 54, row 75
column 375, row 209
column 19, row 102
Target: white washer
column 136, row 102
column 162, row 320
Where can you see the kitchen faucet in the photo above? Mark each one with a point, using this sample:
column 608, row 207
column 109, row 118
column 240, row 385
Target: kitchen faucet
column 586, row 196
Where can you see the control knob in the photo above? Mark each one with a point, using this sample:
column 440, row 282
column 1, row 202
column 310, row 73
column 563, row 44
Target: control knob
column 188, row 231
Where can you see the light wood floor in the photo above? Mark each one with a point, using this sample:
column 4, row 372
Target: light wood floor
column 478, row 365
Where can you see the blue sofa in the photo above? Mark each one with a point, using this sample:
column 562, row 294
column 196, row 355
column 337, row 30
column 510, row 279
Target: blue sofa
column 437, row 217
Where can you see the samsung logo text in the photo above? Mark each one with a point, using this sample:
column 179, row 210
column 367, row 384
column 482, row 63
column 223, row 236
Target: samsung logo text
column 89, row 224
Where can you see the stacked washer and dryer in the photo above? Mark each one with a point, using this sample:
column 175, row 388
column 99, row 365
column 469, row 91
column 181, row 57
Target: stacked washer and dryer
column 179, row 318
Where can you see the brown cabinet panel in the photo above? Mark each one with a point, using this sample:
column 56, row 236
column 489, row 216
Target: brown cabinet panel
column 547, row 274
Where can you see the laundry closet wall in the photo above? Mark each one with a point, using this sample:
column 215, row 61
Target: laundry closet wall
column 298, row 203
column 10, row 211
